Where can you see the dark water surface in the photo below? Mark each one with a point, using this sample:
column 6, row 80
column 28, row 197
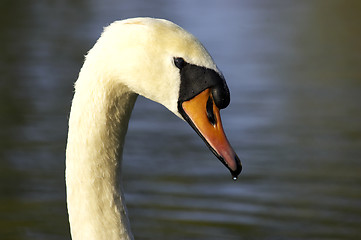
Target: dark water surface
column 294, row 70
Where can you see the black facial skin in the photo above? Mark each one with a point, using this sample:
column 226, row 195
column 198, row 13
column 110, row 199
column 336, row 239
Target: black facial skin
column 194, row 80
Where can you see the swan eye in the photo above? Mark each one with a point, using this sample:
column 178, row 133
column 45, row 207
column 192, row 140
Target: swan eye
column 179, row 62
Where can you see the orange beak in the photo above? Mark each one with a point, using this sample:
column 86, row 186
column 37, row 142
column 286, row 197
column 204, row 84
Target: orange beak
column 203, row 115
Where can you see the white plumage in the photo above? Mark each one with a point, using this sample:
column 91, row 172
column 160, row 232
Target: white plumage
column 131, row 57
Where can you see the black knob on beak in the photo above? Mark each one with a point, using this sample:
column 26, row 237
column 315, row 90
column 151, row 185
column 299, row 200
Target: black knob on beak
column 221, row 95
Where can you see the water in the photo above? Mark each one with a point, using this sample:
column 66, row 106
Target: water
column 293, row 68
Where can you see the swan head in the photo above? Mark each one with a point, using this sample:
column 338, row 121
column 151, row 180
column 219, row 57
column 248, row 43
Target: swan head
column 161, row 61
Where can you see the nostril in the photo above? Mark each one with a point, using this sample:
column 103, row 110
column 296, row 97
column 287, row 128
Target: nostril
column 210, row 113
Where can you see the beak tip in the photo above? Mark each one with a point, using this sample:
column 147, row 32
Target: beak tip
column 237, row 170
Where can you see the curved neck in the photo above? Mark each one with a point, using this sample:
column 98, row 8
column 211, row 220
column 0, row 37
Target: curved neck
column 97, row 127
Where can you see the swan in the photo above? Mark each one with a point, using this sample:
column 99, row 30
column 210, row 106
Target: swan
column 161, row 61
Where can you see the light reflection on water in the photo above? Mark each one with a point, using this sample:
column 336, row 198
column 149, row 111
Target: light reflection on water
column 293, row 71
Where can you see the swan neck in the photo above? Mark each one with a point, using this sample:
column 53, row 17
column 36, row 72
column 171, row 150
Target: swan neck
column 97, row 127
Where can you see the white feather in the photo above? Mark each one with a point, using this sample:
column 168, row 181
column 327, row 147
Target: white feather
column 131, row 57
